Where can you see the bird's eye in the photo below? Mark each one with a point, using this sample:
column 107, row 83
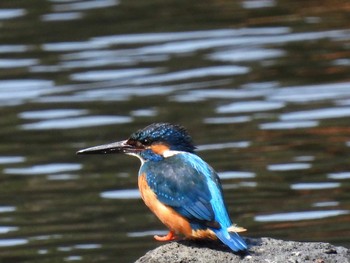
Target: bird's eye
column 146, row 141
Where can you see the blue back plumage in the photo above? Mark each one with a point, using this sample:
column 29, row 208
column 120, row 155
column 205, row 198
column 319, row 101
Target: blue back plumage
column 177, row 184
column 192, row 188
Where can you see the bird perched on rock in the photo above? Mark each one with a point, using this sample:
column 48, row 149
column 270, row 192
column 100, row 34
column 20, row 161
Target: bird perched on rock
column 181, row 189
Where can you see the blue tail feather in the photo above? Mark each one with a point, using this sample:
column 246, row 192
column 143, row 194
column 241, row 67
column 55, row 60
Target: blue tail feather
column 231, row 239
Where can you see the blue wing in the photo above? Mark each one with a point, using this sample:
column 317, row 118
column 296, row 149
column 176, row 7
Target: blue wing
column 187, row 184
column 192, row 188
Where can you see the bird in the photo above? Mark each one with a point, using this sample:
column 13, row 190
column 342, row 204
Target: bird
column 178, row 186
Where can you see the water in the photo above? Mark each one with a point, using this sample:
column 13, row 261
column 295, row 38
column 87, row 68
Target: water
column 263, row 87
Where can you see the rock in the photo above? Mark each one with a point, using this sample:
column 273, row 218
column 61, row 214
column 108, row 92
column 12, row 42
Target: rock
column 266, row 250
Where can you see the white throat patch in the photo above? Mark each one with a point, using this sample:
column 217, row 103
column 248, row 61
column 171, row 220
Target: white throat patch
column 169, row 153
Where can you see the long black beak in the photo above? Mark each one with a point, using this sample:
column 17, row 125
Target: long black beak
column 115, row 147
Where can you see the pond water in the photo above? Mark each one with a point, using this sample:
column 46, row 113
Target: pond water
column 262, row 86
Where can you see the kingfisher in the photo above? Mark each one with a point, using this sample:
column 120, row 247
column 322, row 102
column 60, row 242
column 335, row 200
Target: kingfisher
column 179, row 187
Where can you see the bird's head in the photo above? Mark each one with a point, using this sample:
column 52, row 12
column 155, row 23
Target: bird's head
column 150, row 142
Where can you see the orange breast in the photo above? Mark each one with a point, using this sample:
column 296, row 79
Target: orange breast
column 168, row 216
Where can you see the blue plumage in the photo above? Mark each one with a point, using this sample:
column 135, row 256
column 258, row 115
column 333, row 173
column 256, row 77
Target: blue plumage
column 174, row 135
column 177, row 185
column 191, row 187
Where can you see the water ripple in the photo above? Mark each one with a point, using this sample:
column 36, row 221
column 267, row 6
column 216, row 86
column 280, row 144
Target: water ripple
column 206, row 94
column 87, row 246
column 84, row 5
column 298, row 216
column 288, row 166
column 318, row 114
column 304, row 158
column 78, row 122
column 311, row 93
column 6, row 229
column 236, row 174
column 13, row 92
column 66, row 16
column 144, row 38
column 225, row 145
column 244, row 55
column 339, row 176
column 270, row 36
column 44, row 169
column 147, row 233
column 102, row 75
column 286, row 125
column 315, row 186
column 52, row 114
column 11, row 159
column 13, row 242
column 325, row 204
column 250, row 106
column 73, row 258
column 121, row 194
column 193, row 73
column 144, row 113
column 13, row 49
column 226, row 120
column 11, row 13
column 62, row 177
column 7, row 209
column 18, row 63
column 255, row 4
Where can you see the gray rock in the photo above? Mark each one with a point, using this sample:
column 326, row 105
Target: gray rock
column 266, row 250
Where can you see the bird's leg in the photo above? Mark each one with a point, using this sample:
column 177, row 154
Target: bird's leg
column 168, row 237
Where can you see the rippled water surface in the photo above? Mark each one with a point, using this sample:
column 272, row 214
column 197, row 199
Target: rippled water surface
column 262, row 86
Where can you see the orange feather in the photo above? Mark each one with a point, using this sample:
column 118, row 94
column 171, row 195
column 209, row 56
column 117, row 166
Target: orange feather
column 159, row 148
column 168, row 216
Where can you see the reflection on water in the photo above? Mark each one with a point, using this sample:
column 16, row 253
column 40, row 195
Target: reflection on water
column 312, row 92
column 341, row 175
column 288, row 125
column 122, row 194
column 329, row 113
column 263, row 87
column 314, row 186
column 12, row 242
column 44, row 169
column 236, row 174
column 52, row 114
column 11, row 13
column 220, row 146
column 250, row 106
column 76, row 122
column 252, row 4
column 6, row 229
column 83, row 5
column 11, row 159
column 297, row 216
column 63, row 177
column 4, row 209
column 322, row 204
column 147, row 233
column 288, row 166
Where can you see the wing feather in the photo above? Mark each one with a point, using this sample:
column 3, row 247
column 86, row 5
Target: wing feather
column 182, row 183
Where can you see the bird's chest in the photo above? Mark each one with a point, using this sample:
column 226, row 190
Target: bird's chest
column 147, row 195
column 168, row 216
column 151, row 200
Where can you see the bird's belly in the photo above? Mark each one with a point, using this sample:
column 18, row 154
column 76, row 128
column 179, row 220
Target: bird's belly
column 168, row 216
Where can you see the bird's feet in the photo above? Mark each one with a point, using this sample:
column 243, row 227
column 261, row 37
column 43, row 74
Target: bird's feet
column 170, row 236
